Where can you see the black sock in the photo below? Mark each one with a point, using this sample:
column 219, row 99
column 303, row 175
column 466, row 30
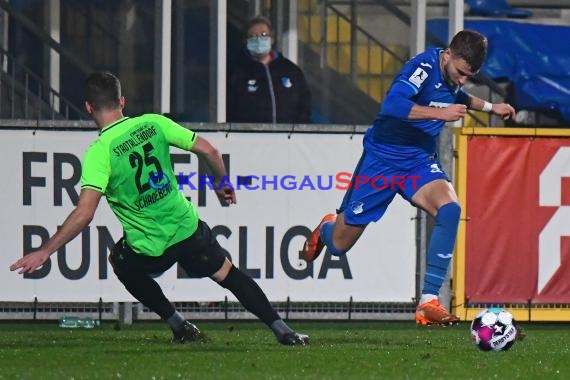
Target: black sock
column 250, row 295
column 176, row 321
column 280, row 328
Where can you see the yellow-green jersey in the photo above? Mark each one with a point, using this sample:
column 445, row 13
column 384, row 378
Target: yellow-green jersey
column 130, row 164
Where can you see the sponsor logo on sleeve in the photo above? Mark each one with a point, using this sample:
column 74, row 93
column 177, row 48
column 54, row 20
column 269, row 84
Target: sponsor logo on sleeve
column 418, row 77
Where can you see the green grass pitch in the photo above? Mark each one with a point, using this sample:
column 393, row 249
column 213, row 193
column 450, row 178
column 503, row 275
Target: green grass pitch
column 248, row 350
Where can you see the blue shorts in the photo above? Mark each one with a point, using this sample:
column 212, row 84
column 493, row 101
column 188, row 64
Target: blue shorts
column 375, row 183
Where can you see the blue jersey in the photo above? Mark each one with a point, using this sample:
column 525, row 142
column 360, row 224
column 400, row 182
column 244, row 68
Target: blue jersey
column 410, row 141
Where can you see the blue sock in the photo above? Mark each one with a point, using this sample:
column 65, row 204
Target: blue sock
column 440, row 249
column 326, row 235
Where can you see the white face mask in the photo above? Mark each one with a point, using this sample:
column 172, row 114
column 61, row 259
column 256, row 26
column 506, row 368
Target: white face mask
column 259, row 46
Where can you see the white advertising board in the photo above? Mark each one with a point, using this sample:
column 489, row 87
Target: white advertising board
column 263, row 232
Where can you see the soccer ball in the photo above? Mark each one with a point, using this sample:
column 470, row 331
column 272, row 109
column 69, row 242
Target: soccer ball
column 494, row 329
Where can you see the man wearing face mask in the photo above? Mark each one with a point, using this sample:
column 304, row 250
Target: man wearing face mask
column 264, row 86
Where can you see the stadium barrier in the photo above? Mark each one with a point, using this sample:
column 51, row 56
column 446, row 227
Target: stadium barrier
column 519, row 265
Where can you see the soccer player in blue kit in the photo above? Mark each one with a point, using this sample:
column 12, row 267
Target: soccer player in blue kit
column 401, row 143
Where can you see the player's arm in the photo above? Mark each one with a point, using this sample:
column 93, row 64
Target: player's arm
column 504, row 110
column 398, row 104
column 452, row 112
column 210, row 154
column 186, row 139
column 77, row 220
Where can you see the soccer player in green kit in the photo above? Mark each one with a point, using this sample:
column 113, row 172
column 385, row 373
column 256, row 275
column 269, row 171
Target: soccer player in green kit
column 130, row 164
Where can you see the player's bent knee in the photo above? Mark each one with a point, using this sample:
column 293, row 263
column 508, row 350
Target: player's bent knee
column 222, row 273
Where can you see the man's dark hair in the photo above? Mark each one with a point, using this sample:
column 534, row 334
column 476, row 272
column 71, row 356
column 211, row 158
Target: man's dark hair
column 471, row 46
column 257, row 20
column 102, row 90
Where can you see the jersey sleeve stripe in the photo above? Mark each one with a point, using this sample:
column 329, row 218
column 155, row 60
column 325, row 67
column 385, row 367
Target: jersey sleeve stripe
column 91, row 187
column 411, row 85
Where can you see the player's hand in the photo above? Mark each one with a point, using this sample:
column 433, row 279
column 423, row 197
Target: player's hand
column 226, row 194
column 30, row 262
column 453, row 112
column 504, row 110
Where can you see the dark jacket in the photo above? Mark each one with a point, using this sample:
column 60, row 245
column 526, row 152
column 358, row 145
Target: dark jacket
column 276, row 93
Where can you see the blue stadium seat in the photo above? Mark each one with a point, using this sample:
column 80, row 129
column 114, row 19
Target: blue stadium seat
column 495, row 8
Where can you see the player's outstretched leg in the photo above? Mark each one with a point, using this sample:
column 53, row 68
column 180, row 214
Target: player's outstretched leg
column 145, row 289
column 314, row 245
column 255, row 301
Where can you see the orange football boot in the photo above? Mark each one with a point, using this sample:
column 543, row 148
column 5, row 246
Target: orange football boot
column 314, row 245
column 432, row 313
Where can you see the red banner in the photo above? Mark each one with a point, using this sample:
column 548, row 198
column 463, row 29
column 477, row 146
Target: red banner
column 518, row 231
